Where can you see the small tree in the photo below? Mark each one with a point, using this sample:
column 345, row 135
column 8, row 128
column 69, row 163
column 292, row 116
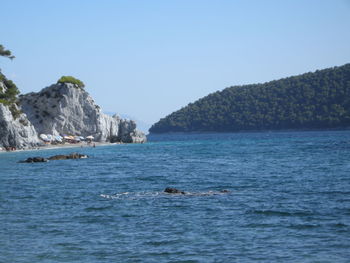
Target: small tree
column 72, row 80
column 9, row 96
column 6, row 53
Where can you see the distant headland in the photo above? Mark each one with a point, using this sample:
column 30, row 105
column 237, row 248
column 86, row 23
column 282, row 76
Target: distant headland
column 61, row 113
column 318, row 100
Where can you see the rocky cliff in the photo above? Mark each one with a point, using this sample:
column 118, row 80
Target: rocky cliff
column 15, row 128
column 67, row 109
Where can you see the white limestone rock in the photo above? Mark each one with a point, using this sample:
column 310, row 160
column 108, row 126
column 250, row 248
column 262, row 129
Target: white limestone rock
column 66, row 109
column 15, row 132
column 19, row 133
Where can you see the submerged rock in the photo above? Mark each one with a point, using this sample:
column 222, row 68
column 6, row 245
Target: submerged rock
column 69, row 156
column 171, row 190
column 55, row 157
column 35, row 160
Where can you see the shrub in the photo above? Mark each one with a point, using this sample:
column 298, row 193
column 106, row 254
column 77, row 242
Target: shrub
column 10, row 95
column 15, row 111
column 24, row 122
column 69, row 79
column 5, row 102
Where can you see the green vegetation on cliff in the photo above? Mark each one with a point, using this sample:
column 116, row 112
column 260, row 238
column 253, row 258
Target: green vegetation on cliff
column 72, row 80
column 308, row 101
column 9, row 95
column 8, row 89
column 6, row 53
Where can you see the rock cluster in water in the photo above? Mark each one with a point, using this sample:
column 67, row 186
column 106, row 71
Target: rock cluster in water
column 171, row 190
column 69, row 156
column 55, row 157
column 62, row 109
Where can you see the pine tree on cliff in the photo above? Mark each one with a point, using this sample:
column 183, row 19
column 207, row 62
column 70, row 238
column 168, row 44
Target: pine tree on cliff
column 9, row 95
column 6, row 53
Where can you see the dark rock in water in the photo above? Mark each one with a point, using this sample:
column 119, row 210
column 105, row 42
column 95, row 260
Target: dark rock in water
column 39, row 159
column 34, row 160
column 55, row 157
column 69, row 156
column 171, row 190
column 58, row 157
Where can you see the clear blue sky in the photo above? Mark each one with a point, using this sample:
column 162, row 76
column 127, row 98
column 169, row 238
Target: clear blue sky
column 149, row 58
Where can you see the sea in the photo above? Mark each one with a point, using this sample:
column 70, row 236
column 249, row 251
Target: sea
column 287, row 200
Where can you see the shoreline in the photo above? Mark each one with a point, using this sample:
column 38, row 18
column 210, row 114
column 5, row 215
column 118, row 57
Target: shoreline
column 251, row 131
column 61, row 146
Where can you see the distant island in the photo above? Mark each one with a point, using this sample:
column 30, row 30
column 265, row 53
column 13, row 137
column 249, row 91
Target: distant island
column 318, row 100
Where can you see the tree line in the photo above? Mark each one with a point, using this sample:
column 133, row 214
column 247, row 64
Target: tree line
column 309, row 101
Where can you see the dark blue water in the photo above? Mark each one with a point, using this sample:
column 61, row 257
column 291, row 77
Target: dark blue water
column 289, row 201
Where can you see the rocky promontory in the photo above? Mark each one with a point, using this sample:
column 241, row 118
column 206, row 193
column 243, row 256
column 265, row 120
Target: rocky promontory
column 16, row 131
column 62, row 108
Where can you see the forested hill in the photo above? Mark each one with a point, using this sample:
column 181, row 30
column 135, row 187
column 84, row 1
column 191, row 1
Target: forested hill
column 309, row 101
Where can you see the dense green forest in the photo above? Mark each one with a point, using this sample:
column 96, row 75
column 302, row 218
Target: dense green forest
column 309, row 101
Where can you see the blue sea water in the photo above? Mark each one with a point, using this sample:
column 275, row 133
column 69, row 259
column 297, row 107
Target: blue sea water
column 289, row 201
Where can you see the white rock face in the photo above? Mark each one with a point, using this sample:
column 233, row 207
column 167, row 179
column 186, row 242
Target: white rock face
column 2, row 87
column 19, row 133
column 65, row 109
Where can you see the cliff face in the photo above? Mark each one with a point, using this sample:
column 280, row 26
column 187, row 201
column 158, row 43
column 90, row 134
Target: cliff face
column 66, row 109
column 15, row 132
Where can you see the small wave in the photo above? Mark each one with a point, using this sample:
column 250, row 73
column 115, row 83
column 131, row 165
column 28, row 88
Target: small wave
column 280, row 213
column 162, row 242
column 304, row 226
column 134, row 195
column 69, row 246
column 128, row 215
column 130, row 195
column 91, row 209
column 208, row 193
column 256, row 225
column 51, row 231
column 340, row 225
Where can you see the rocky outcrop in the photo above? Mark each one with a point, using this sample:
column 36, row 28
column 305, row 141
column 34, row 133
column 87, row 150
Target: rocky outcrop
column 59, row 109
column 55, row 157
column 19, row 132
column 171, row 190
column 69, row 156
column 35, row 160
column 16, row 131
column 66, row 109
column 128, row 133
